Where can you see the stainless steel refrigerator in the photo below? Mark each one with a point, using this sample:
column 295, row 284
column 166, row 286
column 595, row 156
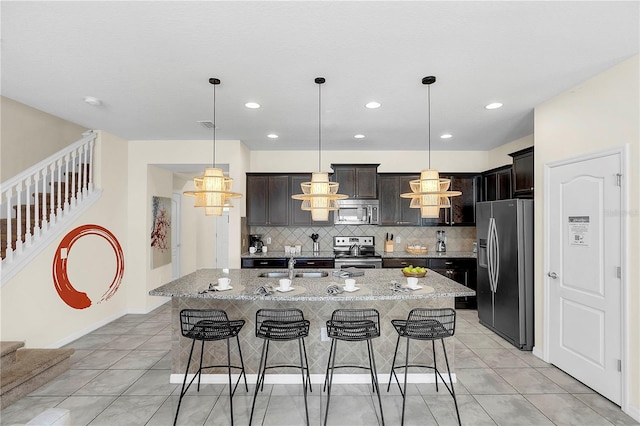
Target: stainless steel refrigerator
column 505, row 269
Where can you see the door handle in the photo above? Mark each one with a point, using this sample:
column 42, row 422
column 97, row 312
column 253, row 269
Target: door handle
column 552, row 275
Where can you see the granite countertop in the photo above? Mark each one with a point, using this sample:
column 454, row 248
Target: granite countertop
column 330, row 255
column 374, row 285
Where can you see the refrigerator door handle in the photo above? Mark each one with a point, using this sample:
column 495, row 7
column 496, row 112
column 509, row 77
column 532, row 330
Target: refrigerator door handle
column 495, row 243
column 490, row 261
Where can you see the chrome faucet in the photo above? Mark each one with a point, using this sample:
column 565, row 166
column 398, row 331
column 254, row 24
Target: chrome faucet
column 292, row 271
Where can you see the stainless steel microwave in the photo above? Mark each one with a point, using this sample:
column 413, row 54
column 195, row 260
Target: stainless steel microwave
column 357, row 212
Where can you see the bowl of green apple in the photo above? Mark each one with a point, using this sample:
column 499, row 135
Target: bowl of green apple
column 414, row 271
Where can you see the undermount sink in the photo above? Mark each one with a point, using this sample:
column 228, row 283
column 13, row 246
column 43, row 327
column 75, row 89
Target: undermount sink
column 282, row 274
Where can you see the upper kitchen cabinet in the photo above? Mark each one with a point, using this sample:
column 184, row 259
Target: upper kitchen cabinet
column 463, row 207
column 268, row 200
column 297, row 216
column 496, row 184
column 523, row 173
column 395, row 211
column 357, row 180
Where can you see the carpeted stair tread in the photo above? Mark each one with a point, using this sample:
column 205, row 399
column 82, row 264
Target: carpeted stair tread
column 8, row 353
column 29, row 363
column 9, row 346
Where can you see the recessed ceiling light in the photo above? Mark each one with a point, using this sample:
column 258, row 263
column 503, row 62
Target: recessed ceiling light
column 373, row 105
column 252, row 105
column 358, row 136
column 446, row 136
column 493, row 105
column 272, row 136
column 93, row 101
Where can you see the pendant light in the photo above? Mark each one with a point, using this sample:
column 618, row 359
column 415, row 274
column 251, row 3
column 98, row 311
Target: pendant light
column 319, row 196
column 430, row 192
column 213, row 188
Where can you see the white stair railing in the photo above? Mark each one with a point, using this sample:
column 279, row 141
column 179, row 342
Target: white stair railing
column 34, row 201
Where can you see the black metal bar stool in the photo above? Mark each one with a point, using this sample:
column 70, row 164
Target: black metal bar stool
column 425, row 324
column 282, row 325
column 210, row 325
column 352, row 325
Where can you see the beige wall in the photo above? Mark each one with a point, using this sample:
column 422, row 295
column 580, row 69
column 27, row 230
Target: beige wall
column 31, row 307
column 601, row 113
column 500, row 156
column 29, row 135
column 390, row 161
column 198, row 248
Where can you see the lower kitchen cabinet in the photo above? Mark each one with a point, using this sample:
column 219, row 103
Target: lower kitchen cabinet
column 282, row 262
column 460, row 270
column 401, row 262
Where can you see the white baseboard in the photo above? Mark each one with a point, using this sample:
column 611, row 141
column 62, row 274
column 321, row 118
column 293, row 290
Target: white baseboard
column 292, row 379
column 156, row 305
column 538, row 353
column 78, row 334
column 634, row 413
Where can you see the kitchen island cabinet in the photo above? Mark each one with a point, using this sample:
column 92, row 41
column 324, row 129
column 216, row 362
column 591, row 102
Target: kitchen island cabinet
column 309, row 295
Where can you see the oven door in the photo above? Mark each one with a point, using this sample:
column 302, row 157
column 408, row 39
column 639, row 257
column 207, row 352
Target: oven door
column 360, row 263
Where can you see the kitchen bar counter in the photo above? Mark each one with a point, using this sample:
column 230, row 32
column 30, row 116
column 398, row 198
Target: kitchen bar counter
column 310, row 296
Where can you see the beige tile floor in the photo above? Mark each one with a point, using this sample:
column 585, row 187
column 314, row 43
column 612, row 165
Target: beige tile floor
column 119, row 376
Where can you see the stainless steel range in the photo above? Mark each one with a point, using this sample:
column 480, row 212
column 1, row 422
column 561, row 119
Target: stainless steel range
column 356, row 252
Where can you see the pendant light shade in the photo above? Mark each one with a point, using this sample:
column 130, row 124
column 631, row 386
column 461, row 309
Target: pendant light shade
column 213, row 188
column 320, row 195
column 430, row 193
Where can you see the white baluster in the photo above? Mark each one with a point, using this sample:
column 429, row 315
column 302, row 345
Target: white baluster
column 45, row 219
column 81, row 175
column 36, row 206
column 66, row 184
column 27, row 195
column 9, row 252
column 90, row 165
column 59, row 186
column 19, row 218
column 52, row 202
column 74, row 181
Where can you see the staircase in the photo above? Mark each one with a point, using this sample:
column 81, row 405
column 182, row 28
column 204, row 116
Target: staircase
column 38, row 205
column 24, row 370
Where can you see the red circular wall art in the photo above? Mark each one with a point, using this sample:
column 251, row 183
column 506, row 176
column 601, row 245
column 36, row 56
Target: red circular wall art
column 72, row 297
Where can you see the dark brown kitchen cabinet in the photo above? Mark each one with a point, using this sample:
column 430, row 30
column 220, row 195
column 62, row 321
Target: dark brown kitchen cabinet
column 523, row 173
column 496, row 184
column 282, row 262
column 463, row 207
column 359, row 181
column 395, row 211
column 461, row 270
column 267, row 200
column 297, row 216
column 401, row 262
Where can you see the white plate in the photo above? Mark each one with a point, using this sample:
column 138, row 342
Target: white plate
column 418, row 287
column 351, row 290
column 282, row 290
column 217, row 287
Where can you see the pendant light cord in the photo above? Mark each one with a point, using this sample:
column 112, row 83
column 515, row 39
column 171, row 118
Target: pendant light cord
column 319, row 126
column 214, row 125
column 429, row 123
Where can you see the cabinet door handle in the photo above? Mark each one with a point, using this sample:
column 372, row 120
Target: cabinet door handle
column 264, row 263
column 403, row 263
column 311, row 263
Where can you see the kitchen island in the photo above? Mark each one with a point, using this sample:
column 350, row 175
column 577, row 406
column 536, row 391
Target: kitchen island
column 310, row 295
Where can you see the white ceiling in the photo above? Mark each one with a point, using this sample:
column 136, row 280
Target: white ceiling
column 149, row 62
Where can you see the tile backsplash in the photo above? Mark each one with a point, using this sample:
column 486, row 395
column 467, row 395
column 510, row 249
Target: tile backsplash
column 458, row 238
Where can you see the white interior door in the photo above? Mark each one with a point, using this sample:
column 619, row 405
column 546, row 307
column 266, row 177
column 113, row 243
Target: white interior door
column 584, row 225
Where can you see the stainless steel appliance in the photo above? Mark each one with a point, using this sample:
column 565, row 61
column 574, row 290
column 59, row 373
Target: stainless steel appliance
column 441, row 242
column 356, row 252
column 357, row 212
column 505, row 269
